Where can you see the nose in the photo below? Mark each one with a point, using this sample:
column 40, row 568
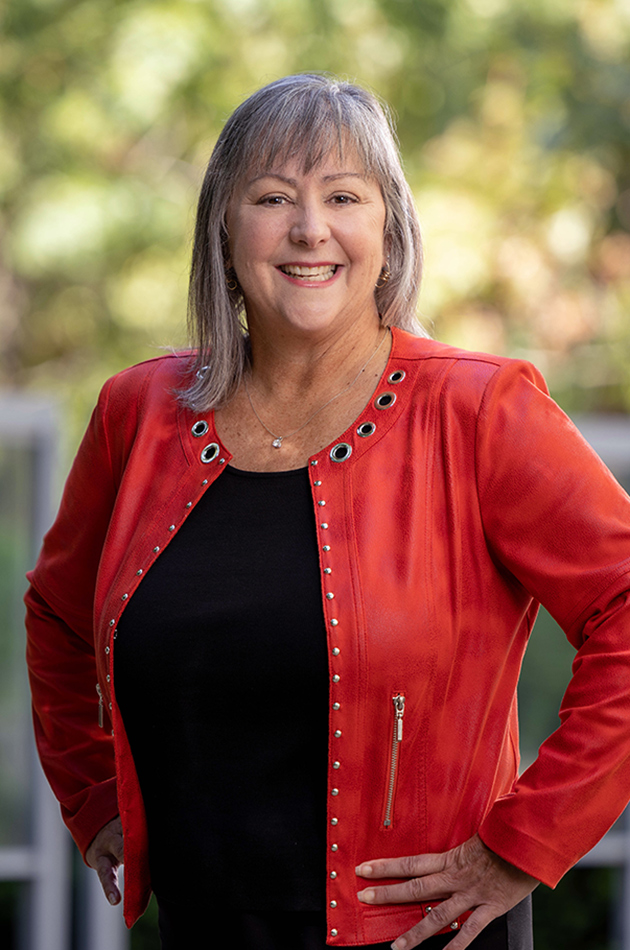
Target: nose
column 310, row 226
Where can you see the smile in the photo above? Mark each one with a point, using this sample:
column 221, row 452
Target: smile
column 300, row 272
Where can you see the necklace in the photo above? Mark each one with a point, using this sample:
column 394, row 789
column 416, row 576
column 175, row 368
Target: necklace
column 278, row 439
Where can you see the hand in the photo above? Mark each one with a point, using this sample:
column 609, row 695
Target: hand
column 105, row 855
column 469, row 877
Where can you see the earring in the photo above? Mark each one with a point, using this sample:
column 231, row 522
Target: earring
column 230, row 280
column 384, row 275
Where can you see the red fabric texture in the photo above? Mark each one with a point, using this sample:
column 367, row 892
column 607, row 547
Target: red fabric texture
column 474, row 499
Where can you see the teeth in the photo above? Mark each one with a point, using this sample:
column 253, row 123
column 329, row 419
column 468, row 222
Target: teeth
column 322, row 272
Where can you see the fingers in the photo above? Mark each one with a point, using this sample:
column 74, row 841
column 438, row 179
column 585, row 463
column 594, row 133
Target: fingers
column 434, row 887
column 411, row 865
column 440, row 918
column 105, row 854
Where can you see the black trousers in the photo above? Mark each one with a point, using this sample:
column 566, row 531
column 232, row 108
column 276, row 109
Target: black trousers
column 184, row 927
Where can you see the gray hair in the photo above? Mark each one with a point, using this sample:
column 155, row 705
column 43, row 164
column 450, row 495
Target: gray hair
column 303, row 117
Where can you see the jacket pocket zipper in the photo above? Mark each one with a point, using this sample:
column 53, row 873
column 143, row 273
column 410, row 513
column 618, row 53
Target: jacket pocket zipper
column 100, row 705
column 397, row 734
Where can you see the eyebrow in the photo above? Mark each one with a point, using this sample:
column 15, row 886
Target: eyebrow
column 293, row 182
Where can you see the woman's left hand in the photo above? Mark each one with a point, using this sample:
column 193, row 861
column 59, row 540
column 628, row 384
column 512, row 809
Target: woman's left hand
column 469, row 877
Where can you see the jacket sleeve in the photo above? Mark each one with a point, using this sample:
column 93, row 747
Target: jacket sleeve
column 76, row 754
column 557, row 519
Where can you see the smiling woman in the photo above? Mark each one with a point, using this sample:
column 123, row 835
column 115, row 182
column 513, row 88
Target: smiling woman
column 301, row 566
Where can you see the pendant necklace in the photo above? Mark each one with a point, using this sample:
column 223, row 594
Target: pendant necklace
column 278, row 439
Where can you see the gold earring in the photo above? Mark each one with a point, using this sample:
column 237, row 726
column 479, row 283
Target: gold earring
column 230, row 280
column 384, row 275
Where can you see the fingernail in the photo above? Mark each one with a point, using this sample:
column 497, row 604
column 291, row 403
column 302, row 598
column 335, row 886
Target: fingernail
column 363, row 869
column 111, row 897
column 400, row 944
column 366, row 896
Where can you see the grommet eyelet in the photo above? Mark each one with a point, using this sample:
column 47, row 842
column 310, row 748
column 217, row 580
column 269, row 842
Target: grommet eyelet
column 199, row 428
column 385, row 400
column 209, row 453
column 341, row 452
column 366, row 429
column 397, row 376
column 201, row 372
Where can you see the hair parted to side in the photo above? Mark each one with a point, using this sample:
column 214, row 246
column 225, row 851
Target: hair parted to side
column 304, row 117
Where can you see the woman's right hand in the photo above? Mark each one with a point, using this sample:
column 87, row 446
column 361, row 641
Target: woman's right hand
column 105, row 855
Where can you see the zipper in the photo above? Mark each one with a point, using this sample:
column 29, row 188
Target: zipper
column 100, row 705
column 397, row 734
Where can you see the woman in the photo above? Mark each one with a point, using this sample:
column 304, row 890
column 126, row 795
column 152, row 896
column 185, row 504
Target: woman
column 258, row 652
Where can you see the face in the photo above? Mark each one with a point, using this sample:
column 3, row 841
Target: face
column 308, row 248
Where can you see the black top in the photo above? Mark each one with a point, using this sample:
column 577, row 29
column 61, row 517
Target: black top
column 221, row 676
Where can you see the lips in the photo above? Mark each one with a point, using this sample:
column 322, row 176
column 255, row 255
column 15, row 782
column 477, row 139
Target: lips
column 318, row 273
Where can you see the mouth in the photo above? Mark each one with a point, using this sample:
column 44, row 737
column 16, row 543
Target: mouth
column 318, row 273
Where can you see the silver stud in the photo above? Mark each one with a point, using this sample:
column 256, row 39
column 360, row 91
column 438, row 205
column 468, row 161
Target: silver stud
column 324, row 525
column 333, row 875
column 205, row 481
column 189, row 504
column 112, row 622
column 112, row 732
column 334, row 932
column 341, row 452
column 110, row 706
column 336, row 706
column 221, row 461
column 334, row 622
column 366, row 429
column 314, row 462
column 138, row 573
column 334, row 821
column 385, row 400
column 201, row 372
column 108, row 677
column 318, row 483
column 209, row 453
column 115, row 633
column 334, row 792
column 326, row 548
column 330, row 596
column 336, row 765
column 171, row 527
column 334, row 847
column 106, row 649
column 428, row 910
column 455, row 925
column 397, row 376
column 199, row 428
column 156, row 549
column 124, row 597
column 336, row 651
column 336, row 678
column 333, row 904
column 337, row 733
column 328, row 570
column 321, row 503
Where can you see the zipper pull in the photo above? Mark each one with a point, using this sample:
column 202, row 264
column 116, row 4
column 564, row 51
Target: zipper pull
column 399, row 707
column 100, row 705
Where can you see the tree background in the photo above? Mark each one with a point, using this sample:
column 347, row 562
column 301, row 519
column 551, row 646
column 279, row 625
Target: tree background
column 514, row 122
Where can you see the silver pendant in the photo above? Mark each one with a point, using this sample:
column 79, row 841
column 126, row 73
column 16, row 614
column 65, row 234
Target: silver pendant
column 277, row 443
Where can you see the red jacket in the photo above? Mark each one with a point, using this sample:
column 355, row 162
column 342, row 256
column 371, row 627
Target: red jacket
column 453, row 506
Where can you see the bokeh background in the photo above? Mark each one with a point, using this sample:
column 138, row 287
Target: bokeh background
column 514, row 123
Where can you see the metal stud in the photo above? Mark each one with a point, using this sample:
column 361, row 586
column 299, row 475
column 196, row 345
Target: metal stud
column 334, row 792
column 318, row 483
column 110, row 706
column 221, row 461
column 334, row 821
column 428, row 910
column 324, row 525
column 341, row 452
column 321, row 503
column 333, row 904
column 189, row 504
column 112, row 622
column 209, row 453
column 156, row 549
column 336, row 678
column 397, row 376
column 106, row 649
column 455, row 925
column 199, row 428
column 337, row 733
column 124, row 596
column 366, row 429
column 334, row 622
column 336, row 651
column 171, row 527
column 334, row 932
column 138, row 573
column 314, row 462
column 334, row 847
column 328, row 570
column 108, row 677
column 330, row 596
column 336, row 765
column 385, row 400
column 205, row 481
column 326, row 548
column 336, row 706
column 333, row 875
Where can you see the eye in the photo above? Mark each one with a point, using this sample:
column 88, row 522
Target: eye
column 273, row 201
column 343, row 199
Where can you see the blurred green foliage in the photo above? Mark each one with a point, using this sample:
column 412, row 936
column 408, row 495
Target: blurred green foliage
column 514, row 120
